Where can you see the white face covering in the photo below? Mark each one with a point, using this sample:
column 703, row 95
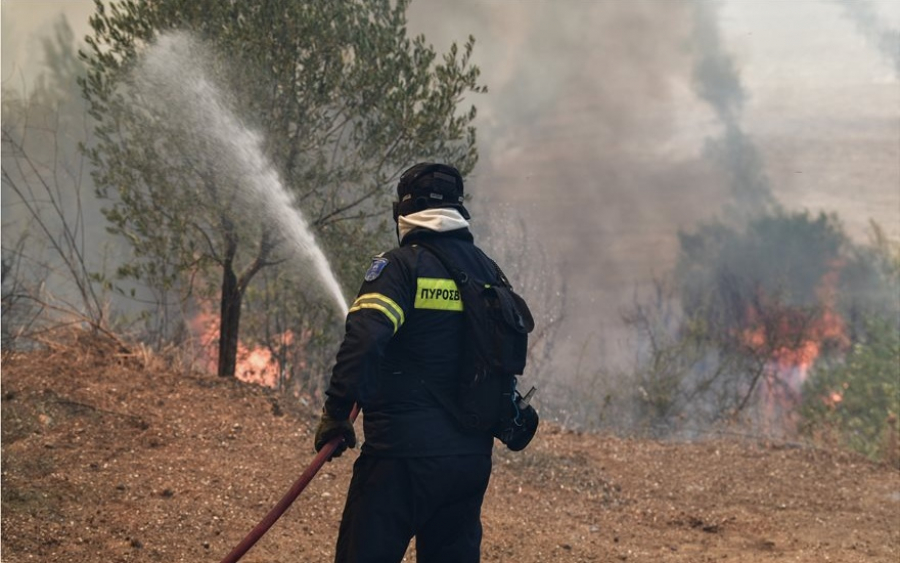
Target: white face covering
column 439, row 219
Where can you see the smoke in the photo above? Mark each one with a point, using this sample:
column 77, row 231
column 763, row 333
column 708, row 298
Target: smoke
column 609, row 127
column 53, row 229
column 717, row 81
column 583, row 134
column 887, row 41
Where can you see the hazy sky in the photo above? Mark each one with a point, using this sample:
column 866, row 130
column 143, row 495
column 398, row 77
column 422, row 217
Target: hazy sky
column 599, row 130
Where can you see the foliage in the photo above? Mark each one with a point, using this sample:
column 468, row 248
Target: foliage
column 339, row 99
column 682, row 381
column 858, row 398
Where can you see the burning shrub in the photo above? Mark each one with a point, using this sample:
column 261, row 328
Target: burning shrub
column 749, row 313
column 856, row 401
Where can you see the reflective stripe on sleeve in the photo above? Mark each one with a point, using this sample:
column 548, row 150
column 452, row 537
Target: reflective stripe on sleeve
column 382, row 303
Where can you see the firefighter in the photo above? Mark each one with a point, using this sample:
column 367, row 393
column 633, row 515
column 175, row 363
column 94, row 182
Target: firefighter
column 418, row 474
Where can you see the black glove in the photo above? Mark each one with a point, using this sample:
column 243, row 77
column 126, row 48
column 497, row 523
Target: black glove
column 330, row 428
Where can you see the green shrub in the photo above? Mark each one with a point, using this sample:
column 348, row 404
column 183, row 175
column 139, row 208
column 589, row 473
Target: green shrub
column 856, row 401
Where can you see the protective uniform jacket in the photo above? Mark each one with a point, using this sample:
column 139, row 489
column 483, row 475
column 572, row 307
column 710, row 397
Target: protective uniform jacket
column 402, row 345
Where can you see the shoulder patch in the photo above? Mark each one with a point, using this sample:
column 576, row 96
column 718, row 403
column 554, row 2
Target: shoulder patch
column 378, row 264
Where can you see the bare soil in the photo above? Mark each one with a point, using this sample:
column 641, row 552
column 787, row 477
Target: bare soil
column 108, row 455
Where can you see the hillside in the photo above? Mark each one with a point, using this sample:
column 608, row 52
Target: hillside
column 109, row 456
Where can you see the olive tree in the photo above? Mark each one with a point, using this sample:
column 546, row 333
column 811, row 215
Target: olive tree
column 339, row 96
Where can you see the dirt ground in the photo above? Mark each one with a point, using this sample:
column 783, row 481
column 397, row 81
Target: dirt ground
column 109, row 456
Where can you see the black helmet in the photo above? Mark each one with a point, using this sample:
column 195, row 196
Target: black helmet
column 428, row 185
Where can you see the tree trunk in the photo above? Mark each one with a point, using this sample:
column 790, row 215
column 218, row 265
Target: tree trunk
column 230, row 320
column 233, row 287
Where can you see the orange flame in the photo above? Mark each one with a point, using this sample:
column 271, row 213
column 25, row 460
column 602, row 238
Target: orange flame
column 833, row 399
column 253, row 365
column 793, row 339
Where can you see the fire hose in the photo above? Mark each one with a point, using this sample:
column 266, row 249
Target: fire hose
column 288, row 499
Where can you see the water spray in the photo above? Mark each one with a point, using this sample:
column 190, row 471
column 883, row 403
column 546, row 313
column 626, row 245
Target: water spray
column 172, row 76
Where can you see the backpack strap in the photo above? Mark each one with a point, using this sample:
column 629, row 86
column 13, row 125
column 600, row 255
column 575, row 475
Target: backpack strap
column 462, row 279
column 503, row 280
column 459, row 275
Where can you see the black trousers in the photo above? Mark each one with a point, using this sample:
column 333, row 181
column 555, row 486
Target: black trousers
column 437, row 500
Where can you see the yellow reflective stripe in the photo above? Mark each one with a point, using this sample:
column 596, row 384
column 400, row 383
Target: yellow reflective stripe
column 438, row 294
column 381, row 303
column 384, row 300
column 384, row 310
